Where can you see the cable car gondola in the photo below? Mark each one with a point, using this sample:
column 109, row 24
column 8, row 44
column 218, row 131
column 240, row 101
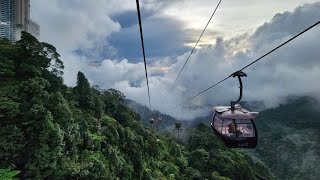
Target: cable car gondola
column 155, row 118
column 235, row 125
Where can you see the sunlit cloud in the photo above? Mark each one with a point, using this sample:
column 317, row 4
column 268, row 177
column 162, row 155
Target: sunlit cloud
column 240, row 32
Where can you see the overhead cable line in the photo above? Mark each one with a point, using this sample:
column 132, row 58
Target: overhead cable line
column 175, row 81
column 143, row 51
column 294, row 37
column 200, row 92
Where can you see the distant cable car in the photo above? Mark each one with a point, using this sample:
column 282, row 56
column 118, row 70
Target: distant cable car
column 151, row 120
column 235, row 125
column 155, row 118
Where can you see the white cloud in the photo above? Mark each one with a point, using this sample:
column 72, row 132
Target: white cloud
column 292, row 70
column 70, row 25
column 233, row 16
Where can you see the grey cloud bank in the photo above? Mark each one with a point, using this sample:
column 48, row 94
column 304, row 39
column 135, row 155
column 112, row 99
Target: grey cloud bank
column 292, row 70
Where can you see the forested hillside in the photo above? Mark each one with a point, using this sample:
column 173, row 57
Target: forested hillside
column 289, row 139
column 167, row 123
column 51, row 131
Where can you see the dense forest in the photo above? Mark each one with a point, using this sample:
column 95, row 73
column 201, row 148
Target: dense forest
column 289, row 139
column 51, row 131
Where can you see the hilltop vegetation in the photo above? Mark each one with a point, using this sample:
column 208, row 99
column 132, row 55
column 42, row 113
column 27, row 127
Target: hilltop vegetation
column 49, row 130
column 289, row 139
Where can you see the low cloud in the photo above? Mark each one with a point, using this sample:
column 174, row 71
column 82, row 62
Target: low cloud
column 292, row 70
column 162, row 35
column 71, row 25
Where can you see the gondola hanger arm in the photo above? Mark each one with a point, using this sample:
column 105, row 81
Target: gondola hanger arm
column 238, row 74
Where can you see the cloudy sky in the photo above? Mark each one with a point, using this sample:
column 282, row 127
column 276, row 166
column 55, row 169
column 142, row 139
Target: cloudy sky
column 101, row 38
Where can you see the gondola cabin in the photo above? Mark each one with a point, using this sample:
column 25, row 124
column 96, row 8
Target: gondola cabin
column 155, row 118
column 151, row 120
column 235, row 127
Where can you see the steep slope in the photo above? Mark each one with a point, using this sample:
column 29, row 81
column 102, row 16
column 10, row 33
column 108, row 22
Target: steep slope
column 206, row 153
column 289, row 139
column 51, row 131
column 167, row 122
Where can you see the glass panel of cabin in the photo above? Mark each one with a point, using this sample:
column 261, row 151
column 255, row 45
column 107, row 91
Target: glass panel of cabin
column 245, row 128
column 218, row 123
column 229, row 128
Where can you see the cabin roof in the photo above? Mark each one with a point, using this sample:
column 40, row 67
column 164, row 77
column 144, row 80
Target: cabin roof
column 239, row 113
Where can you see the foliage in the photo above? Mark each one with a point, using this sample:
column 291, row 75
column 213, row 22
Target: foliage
column 289, row 139
column 178, row 128
column 210, row 157
column 51, row 131
column 6, row 174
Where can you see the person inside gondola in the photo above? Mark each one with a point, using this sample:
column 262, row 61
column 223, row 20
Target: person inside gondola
column 239, row 133
column 231, row 127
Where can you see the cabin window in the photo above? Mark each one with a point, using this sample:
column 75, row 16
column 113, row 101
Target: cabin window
column 229, row 128
column 218, row 123
column 245, row 128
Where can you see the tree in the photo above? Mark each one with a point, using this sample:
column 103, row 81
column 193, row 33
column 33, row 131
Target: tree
column 199, row 159
column 6, row 69
column 178, row 128
column 46, row 152
column 7, row 174
column 117, row 95
column 35, row 58
column 216, row 176
column 83, row 91
column 99, row 107
column 51, row 131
